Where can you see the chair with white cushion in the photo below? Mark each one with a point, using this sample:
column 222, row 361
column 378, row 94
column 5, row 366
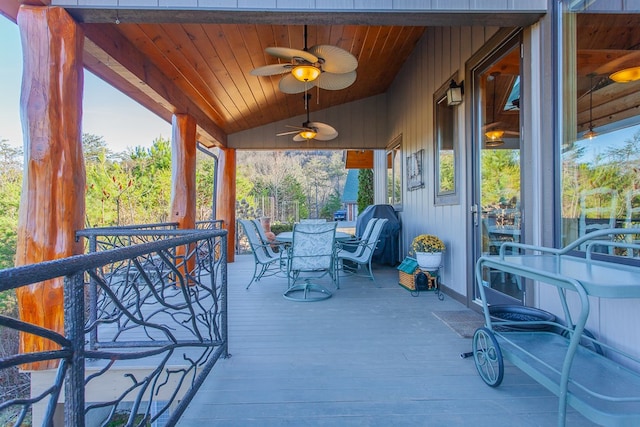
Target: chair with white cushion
column 311, row 255
column 362, row 255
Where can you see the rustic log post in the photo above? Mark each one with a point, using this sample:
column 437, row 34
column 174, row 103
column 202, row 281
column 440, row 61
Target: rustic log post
column 183, row 180
column 52, row 207
column 226, row 197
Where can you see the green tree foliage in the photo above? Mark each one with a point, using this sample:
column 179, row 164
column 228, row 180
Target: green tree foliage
column 501, row 176
column 205, row 174
column 365, row 189
column 288, row 185
column 10, row 186
column 333, row 204
column 615, row 168
column 134, row 187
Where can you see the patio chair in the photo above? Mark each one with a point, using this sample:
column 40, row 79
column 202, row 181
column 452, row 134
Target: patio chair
column 269, row 245
column 267, row 262
column 359, row 245
column 313, row 221
column 362, row 255
column 597, row 212
column 311, row 255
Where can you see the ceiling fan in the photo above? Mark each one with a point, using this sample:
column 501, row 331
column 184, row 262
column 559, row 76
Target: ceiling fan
column 311, row 130
column 325, row 66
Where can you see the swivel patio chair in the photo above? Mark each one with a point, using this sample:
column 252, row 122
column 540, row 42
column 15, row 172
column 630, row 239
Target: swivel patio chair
column 311, row 255
column 362, row 255
column 267, row 262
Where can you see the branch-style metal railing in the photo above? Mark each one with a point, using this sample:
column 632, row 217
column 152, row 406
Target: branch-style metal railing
column 155, row 320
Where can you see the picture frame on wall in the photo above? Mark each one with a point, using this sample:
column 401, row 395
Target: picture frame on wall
column 414, row 170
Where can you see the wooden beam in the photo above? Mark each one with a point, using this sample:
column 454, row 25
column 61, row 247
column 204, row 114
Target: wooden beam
column 52, row 207
column 226, row 197
column 122, row 58
column 183, row 181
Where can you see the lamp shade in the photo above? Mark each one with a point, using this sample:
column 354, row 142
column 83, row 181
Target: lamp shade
column 308, row 134
column 494, row 138
column 626, row 75
column 305, row 73
column 590, row 134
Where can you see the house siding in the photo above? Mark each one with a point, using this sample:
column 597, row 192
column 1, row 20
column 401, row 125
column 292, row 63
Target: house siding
column 370, row 5
column 441, row 52
column 360, row 125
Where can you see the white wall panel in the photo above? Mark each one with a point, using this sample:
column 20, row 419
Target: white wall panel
column 360, row 124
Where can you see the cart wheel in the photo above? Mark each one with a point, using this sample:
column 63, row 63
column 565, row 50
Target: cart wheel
column 488, row 357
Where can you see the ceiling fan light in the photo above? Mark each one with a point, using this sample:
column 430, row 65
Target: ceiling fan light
column 494, row 138
column 590, row 134
column 494, row 135
column 308, row 134
column 626, row 75
column 306, row 73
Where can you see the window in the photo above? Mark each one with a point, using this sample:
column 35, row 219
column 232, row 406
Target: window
column 394, row 172
column 600, row 149
column 445, row 148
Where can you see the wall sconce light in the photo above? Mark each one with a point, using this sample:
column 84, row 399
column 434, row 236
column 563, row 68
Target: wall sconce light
column 454, row 93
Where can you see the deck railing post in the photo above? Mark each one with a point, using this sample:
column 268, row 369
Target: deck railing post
column 223, row 294
column 93, row 297
column 74, row 330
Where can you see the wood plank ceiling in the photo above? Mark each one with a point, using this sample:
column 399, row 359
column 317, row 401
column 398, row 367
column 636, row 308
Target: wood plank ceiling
column 195, row 66
column 198, row 62
column 210, row 64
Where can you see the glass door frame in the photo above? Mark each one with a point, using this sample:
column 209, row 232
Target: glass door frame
column 503, row 42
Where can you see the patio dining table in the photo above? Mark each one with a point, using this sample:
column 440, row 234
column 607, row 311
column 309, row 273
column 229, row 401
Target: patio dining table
column 287, row 237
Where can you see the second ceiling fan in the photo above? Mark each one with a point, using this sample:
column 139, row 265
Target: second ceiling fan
column 325, row 66
column 311, row 130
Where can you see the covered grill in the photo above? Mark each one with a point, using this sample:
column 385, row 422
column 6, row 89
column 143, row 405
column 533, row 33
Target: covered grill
column 388, row 249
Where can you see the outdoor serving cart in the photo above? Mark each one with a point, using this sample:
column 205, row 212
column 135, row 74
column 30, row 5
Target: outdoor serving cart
column 590, row 376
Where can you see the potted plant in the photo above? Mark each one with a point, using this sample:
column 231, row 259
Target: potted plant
column 428, row 250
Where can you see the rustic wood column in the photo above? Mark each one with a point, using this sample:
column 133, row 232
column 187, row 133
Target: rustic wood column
column 183, row 178
column 52, row 207
column 226, row 197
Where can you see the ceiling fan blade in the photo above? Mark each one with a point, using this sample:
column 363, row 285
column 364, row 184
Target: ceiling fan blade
column 326, row 136
column 289, row 53
column 321, row 127
column 331, row 81
column 271, row 70
column 492, row 125
column 289, row 84
column 335, row 59
column 291, row 132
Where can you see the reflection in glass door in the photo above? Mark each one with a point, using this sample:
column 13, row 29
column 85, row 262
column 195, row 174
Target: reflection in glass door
column 497, row 196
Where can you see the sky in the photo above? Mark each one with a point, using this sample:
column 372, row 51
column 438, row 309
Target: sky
column 108, row 113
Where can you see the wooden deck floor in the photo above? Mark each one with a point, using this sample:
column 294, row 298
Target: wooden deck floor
column 368, row 356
